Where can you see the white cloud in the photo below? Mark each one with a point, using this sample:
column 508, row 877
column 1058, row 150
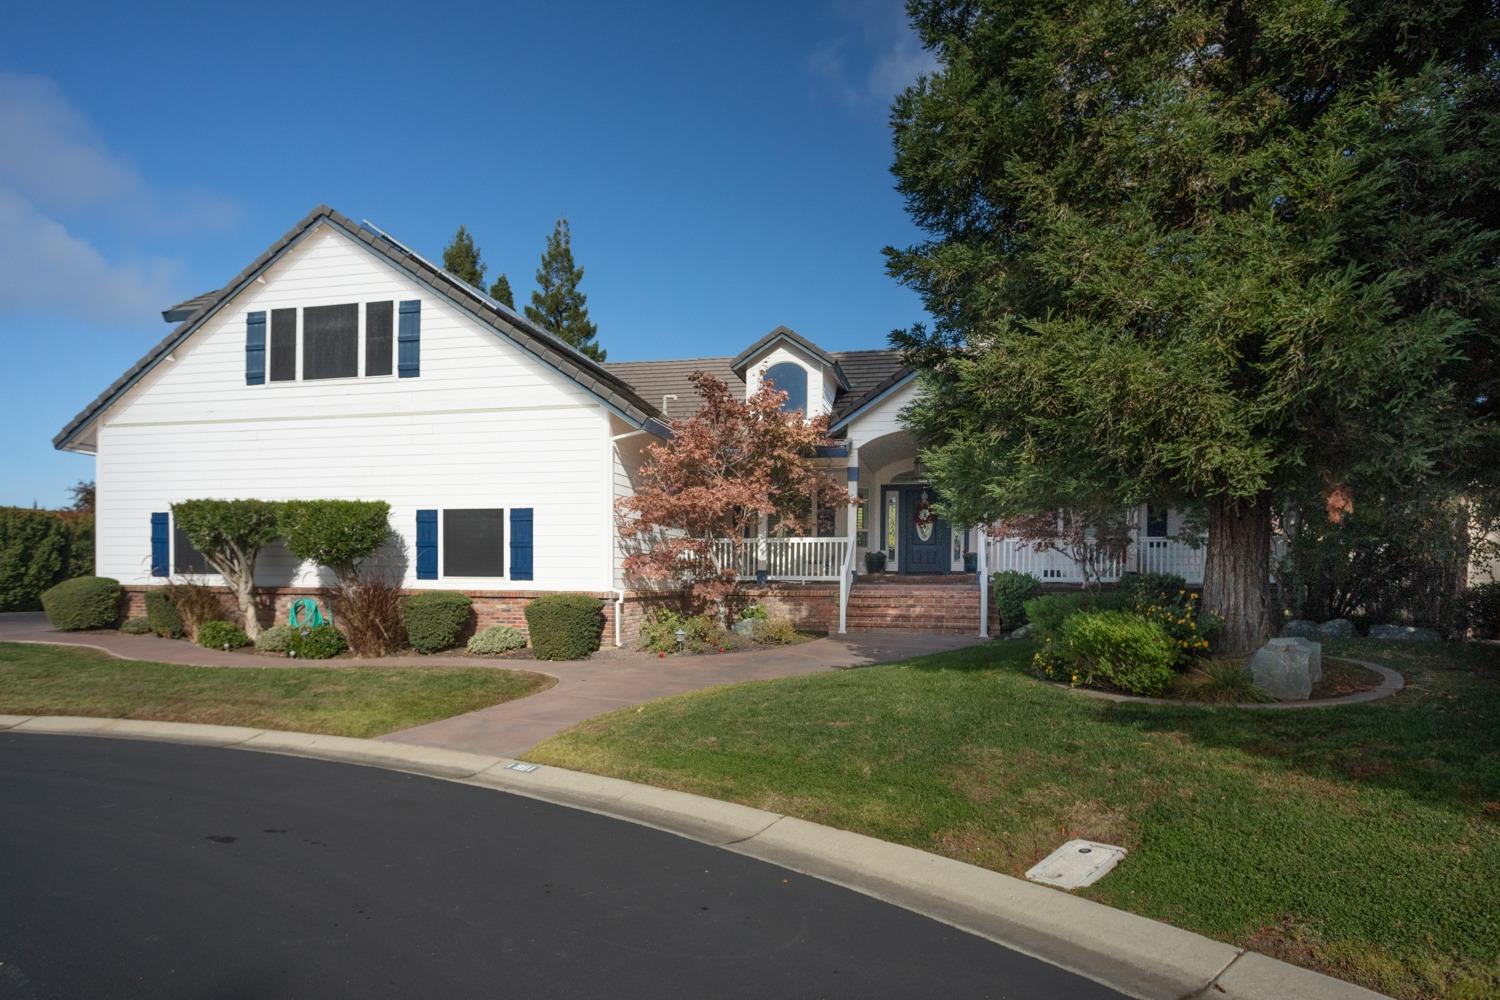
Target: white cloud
column 53, row 157
column 877, row 58
column 45, row 268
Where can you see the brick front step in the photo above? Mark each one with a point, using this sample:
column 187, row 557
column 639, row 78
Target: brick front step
column 949, row 607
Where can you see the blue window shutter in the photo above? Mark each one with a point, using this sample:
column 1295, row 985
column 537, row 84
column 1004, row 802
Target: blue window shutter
column 409, row 340
column 160, row 555
column 255, row 348
column 427, row 545
column 520, row 543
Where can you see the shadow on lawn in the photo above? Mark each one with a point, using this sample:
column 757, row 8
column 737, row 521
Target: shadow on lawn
column 1437, row 740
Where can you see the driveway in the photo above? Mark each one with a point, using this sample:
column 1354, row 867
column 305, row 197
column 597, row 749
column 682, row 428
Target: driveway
column 153, row 870
column 585, row 688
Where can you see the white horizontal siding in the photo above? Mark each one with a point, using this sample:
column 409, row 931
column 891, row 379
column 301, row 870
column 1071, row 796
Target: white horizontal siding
column 485, row 425
column 883, row 418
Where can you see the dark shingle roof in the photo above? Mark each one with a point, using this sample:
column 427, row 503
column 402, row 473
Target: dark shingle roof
column 188, row 309
column 742, row 360
column 609, row 388
column 867, row 372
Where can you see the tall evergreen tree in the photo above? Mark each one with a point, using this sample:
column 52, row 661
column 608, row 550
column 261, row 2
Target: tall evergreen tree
column 462, row 260
column 558, row 304
column 1214, row 253
column 501, row 293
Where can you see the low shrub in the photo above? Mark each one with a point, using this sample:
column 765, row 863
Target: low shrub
column 1482, row 610
column 776, row 632
column 435, row 619
column 754, row 612
column 276, row 639
column 162, row 614
column 83, row 602
column 1009, row 592
column 218, row 634
column 700, row 632
column 136, row 626
column 1141, row 589
column 564, row 626
column 495, row 640
column 1048, row 613
column 319, row 643
column 196, row 603
column 370, row 613
column 1178, row 615
column 1119, row 648
column 1219, row 682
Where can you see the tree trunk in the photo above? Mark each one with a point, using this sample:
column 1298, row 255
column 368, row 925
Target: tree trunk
column 1237, row 574
column 244, row 595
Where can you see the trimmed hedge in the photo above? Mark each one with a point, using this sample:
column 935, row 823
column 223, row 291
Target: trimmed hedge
column 495, row 640
column 1048, row 613
column 135, row 626
column 162, row 614
column 38, row 549
column 1123, row 649
column 218, row 634
column 319, row 643
column 83, row 602
column 435, row 619
column 564, row 626
column 1009, row 592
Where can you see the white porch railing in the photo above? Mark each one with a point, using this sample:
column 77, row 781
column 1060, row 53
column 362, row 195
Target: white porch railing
column 793, row 559
column 1145, row 555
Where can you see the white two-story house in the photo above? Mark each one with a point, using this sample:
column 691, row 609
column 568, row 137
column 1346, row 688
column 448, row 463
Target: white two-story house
column 339, row 363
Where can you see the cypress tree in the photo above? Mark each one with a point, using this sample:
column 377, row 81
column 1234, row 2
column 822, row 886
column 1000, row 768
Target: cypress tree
column 557, row 304
column 1210, row 253
column 462, row 260
column 501, row 293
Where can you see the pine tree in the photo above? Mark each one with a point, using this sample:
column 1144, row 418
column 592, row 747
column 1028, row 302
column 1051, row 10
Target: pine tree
column 557, row 304
column 462, row 260
column 501, row 293
column 1212, row 254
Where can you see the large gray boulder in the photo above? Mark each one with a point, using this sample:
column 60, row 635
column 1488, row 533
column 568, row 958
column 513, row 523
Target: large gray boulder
column 1024, row 632
column 1301, row 628
column 1404, row 633
column 1287, row 668
column 1338, row 628
column 745, row 627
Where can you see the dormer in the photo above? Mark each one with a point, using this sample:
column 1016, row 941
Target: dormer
column 809, row 376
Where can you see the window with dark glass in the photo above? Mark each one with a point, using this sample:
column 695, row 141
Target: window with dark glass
column 330, row 341
column 380, row 325
column 474, row 542
column 283, row 345
column 790, row 378
column 186, row 560
column 1156, row 521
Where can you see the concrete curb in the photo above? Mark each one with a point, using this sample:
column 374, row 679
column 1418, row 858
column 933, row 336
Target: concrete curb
column 1391, row 681
column 1134, row 955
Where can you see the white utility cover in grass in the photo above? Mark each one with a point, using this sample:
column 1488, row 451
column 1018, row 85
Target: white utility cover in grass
column 1076, row 864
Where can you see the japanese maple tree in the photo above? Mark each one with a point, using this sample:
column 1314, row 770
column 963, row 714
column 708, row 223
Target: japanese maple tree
column 725, row 467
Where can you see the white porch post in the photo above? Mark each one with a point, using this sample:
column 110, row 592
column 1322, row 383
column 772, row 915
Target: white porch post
column 983, row 563
column 851, row 519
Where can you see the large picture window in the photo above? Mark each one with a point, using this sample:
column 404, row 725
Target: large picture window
column 474, row 542
column 790, row 378
column 330, row 341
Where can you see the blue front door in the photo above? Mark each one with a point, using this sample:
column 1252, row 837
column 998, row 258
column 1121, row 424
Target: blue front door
column 924, row 546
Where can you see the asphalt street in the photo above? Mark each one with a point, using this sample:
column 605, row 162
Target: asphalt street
column 136, row 869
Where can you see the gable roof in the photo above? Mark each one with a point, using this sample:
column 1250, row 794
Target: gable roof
column 867, row 372
column 613, row 392
column 188, row 309
column 790, row 336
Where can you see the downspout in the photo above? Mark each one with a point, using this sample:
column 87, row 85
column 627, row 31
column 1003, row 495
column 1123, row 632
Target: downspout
column 983, row 562
column 609, row 496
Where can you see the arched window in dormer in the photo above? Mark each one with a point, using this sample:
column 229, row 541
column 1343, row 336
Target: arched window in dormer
column 790, row 378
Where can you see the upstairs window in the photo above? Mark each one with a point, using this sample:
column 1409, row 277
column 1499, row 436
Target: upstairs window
column 330, row 341
column 283, row 345
column 380, row 326
column 790, row 378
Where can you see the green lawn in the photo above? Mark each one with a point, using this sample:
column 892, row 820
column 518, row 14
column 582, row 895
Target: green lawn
column 343, row 701
column 1363, row 841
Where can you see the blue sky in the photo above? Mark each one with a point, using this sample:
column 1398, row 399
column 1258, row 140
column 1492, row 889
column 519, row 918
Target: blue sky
column 724, row 169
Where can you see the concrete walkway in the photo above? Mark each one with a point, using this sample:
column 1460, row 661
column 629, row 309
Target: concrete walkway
column 611, row 679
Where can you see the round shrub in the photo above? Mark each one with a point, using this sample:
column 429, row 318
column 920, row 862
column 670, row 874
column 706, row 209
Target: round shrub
column 700, row 632
column 435, row 619
column 776, row 632
column 1048, row 613
column 317, row 643
column 564, row 626
column 495, row 640
column 276, row 639
column 1122, row 649
column 83, row 602
column 163, row 615
column 1142, row 589
column 1009, row 592
column 218, row 634
column 135, row 626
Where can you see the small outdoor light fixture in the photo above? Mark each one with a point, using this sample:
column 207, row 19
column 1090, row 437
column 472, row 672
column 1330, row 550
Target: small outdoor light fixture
column 681, row 638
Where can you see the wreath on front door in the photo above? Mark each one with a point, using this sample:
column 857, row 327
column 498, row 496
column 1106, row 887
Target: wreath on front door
column 924, row 517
